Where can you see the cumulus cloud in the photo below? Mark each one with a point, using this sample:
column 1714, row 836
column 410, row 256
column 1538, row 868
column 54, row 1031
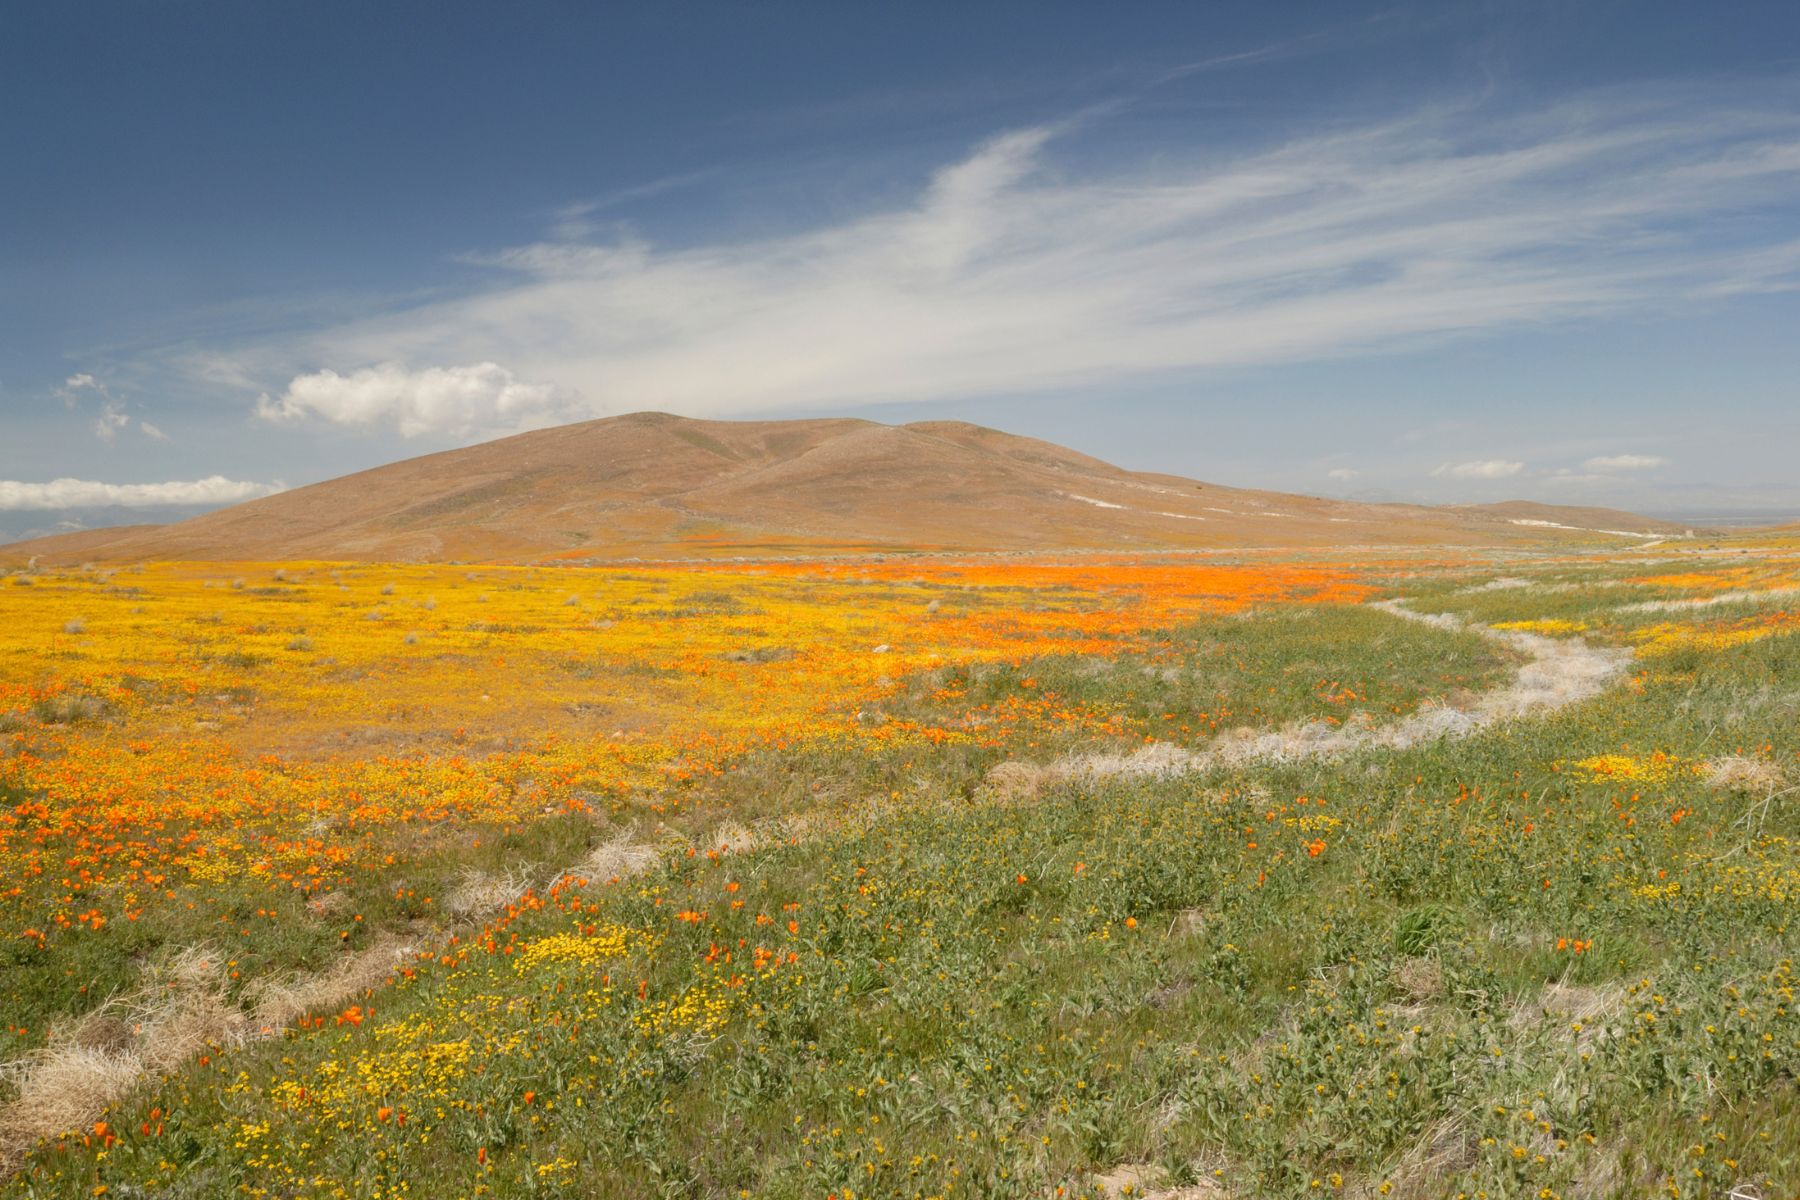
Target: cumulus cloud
column 1490, row 468
column 456, row 400
column 1344, row 474
column 1625, row 462
column 87, row 493
column 1017, row 269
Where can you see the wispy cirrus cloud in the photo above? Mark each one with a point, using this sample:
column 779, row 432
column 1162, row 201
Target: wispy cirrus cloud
column 1490, row 468
column 1605, row 470
column 17, row 496
column 1014, row 270
column 1625, row 462
column 578, row 220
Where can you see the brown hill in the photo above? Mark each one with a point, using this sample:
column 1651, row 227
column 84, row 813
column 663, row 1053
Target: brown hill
column 82, row 545
column 658, row 486
column 1528, row 513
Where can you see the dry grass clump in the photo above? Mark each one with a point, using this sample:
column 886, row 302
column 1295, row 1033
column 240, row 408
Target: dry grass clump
column 477, row 892
column 1158, row 760
column 1616, row 1168
column 278, row 1001
column 328, row 904
column 619, row 858
column 1420, row 978
column 61, row 1089
column 1148, row 1181
column 1129, row 1179
column 1016, row 779
column 1737, row 773
column 183, row 1007
column 1570, row 1002
column 1572, row 1005
column 93, row 1061
column 1445, row 1148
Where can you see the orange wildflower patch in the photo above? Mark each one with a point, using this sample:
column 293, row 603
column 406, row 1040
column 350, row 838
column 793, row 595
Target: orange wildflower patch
column 176, row 729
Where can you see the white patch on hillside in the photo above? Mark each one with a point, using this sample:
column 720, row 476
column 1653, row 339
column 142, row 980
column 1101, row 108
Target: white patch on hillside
column 1583, row 528
column 1708, row 601
column 1502, row 584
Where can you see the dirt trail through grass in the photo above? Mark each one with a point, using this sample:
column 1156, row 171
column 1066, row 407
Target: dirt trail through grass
column 1557, row 672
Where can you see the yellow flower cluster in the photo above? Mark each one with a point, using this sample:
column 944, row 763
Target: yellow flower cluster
column 608, row 942
column 1549, row 625
column 1668, row 637
column 1647, row 768
column 703, row 1009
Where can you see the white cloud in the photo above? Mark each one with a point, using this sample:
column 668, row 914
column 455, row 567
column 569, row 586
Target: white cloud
column 1014, row 271
column 112, row 418
column 573, row 222
column 1491, row 468
column 1625, row 462
column 482, row 396
column 70, row 393
column 87, row 493
column 1343, row 473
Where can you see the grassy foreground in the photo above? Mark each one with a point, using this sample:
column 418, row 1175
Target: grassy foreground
column 932, row 944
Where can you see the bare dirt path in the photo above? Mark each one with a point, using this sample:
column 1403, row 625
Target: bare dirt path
column 1556, row 673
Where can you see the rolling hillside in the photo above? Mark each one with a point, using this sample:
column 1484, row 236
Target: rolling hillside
column 653, row 485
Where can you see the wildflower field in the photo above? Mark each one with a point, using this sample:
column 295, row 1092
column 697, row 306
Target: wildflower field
column 1177, row 876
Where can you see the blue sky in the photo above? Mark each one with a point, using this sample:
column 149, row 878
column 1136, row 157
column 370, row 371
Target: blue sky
column 1438, row 251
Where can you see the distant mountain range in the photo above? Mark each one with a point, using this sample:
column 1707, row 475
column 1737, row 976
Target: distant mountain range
column 652, row 485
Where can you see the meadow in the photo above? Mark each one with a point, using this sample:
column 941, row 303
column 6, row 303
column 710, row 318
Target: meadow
column 1175, row 876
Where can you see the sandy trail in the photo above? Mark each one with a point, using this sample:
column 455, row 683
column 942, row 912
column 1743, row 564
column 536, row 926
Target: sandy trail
column 1757, row 596
column 1556, row 673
